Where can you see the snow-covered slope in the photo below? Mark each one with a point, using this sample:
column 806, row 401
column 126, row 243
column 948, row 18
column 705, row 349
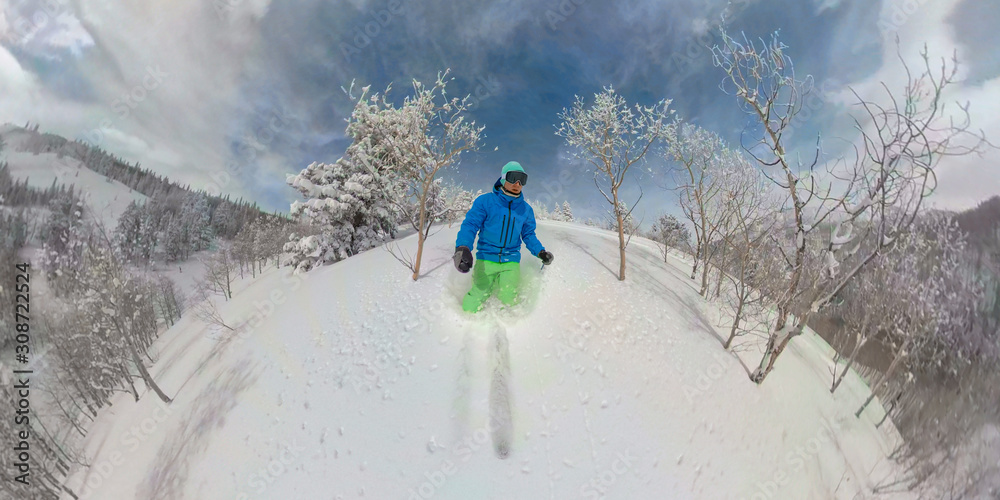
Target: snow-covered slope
column 354, row 381
column 105, row 199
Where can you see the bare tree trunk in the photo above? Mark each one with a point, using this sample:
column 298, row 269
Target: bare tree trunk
column 73, row 420
column 881, row 380
column 147, row 377
column 704, row 276
column 694, row 267
column 128, row 378
column 774, row 347
column 847, row 367
column 718, row 283
column 736, row 323
column 892, row 406
column 621, row 236
column 420, row 253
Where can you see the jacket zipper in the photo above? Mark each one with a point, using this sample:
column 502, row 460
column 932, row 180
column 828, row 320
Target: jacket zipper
column 503, row 232
column 511, row 227
column 503, row 241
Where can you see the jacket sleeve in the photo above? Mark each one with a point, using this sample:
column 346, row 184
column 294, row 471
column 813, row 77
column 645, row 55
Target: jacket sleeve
column 528, row 235
column 472, row 223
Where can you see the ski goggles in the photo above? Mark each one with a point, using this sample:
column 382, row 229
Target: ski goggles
column 517, row 176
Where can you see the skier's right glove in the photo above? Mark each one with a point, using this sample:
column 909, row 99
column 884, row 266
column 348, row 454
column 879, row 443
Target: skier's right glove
column 546, row 257
column 463, row 259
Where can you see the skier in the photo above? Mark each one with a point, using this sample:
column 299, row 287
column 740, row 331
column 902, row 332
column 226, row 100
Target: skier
column 502, row 219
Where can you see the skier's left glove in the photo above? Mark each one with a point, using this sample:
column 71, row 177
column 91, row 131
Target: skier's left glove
column 546, row 257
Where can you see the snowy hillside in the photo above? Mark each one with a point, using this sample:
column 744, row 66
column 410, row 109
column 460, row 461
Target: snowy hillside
column 353, row 381
column 105, row 199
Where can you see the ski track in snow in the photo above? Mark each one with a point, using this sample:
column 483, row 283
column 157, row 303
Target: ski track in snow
column 368, row 384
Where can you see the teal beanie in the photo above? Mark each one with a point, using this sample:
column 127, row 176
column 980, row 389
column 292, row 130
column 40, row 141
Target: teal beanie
column 511, row 165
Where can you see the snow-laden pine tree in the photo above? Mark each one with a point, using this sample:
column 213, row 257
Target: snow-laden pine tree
column 610, row 136
column 176, row 242
column 197, row 218
column 567, row 212
column 347, row 205
column 128, row 232
column 135, row 235
column 544, row 213
column 224, row 220
column 149, row 234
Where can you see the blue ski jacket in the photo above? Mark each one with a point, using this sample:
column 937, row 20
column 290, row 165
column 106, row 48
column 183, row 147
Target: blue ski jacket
column 501, row 221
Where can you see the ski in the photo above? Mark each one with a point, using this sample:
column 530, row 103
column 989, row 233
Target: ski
column 501, row 425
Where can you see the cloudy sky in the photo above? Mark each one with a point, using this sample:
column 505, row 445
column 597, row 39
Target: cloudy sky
column 234, row 94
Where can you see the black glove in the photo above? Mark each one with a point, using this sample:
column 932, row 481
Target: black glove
column 463, row 259
column 546, row 257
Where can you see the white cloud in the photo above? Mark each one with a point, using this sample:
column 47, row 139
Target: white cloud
column 199, row 49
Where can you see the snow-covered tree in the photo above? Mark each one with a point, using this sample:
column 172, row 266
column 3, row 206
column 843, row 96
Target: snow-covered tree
column 459, row 201
column 743, row 259
column 875, row 197
column 349, row 210
column 176, row 242
column 671, row 233
column 115, row 306
column 135, row 235
column 168, row 300
column 567, row 212
column 64, row 237
column 224, row 220
column 611, row 136
column 412, row 143
column 622, row 217
column 702, row 159
column 220, row 269
column 927, row 316
column 197, row 217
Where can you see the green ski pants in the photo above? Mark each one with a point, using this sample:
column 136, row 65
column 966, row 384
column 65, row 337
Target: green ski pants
column 486, row 275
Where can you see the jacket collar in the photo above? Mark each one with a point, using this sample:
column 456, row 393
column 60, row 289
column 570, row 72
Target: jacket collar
column 498, row 190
